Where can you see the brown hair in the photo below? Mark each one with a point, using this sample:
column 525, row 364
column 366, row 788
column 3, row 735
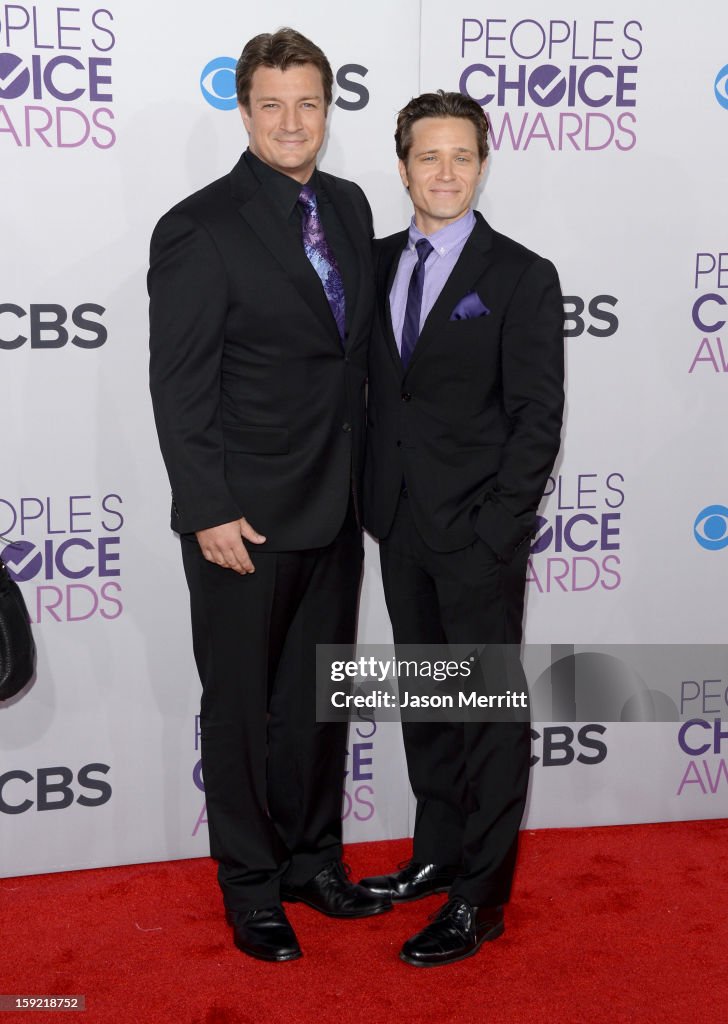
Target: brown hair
column 440, row 104
column 282, row 49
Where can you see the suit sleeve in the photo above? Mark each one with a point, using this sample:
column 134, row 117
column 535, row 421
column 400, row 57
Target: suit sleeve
column 532, row 364
column 187, row 312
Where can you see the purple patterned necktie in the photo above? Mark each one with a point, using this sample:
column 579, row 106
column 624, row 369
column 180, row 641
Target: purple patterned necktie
column 321, row 257
column 411, row 326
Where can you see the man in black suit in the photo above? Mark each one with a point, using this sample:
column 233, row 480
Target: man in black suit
column 261, row 301
column 464, row 419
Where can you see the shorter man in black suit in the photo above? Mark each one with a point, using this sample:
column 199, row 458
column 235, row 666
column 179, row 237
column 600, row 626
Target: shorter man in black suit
column 464, row 420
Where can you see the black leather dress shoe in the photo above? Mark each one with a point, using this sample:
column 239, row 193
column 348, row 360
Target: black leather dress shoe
column 457, row 932
column 331, row 892
column 265, row 934
column 412, row 881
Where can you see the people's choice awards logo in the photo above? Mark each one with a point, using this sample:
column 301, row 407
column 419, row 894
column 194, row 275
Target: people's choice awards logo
column 578, row 539
column 217, row 83
column 66, row 549
column 710, row 311
column 556, row 84
column 56, row 77
column 721, row 87
column 711, row 528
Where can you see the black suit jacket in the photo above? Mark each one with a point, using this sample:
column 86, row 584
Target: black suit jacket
column 259, row 410
column 474, row 423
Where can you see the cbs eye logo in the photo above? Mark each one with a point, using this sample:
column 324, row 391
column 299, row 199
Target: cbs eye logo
column 217, row 83
column 711, row 527
column 721, row 87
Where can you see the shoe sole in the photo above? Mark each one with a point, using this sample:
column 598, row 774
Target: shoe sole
column 491, row 936
column 328, row 913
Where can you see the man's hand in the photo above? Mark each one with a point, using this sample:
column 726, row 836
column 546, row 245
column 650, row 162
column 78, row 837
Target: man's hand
column 224, row 546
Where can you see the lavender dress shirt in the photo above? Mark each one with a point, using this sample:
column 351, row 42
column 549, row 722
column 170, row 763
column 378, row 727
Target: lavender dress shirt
column 447, row 243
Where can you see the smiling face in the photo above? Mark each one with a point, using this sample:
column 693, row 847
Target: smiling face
column 286, row 118
column 442, row 170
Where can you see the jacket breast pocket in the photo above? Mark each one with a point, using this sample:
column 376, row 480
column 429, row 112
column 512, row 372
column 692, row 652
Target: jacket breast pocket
column 257, row 440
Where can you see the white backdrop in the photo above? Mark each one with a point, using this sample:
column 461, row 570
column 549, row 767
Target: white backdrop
column 616, row 175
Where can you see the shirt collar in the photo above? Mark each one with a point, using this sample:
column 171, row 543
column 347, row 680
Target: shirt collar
column 444, row 240
column 283, row 189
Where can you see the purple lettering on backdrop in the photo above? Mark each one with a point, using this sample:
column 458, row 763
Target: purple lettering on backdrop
column 528, row 67
column 48, row 77
column 682, row 737
column 490, row 38
column 27, row 517
column 10, row 24
column 609, row 531
column 75, row 513
column 698, row 271
column 75, row 591
column 709, row 328
column 721, row 772
column 106, row 31
column 96, row 80
column 360, row 762
column 65, row 27
column 60, row 558
column 705, row 354
column 716, row 695
column 691, row 777
column 36, row 34
column 18, row 80
column 106, row 556
column 466, row 38
column 541, row 35
column 561, row 533
column 62, row 138
column 38, row 129
column 201, row 820
column 684, row 698
column 43, row 606
column 106, row 592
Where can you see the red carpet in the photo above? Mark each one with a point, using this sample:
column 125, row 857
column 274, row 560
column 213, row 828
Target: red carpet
column 606, row 925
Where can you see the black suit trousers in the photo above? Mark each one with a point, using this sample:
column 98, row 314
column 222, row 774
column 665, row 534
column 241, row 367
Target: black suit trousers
column 273, row 776
column 470, row 778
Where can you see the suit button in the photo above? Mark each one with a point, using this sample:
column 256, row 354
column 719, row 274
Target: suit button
column 346, row 427
column 399, row 444
column 405, row 396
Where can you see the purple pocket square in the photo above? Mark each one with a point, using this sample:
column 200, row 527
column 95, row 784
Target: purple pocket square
column 469, row 307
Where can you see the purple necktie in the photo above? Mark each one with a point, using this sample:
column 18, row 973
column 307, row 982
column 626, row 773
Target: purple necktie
column 411, row 326
column 321, row 257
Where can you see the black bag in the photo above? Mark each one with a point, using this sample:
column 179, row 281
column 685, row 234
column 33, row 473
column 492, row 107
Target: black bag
column 17, row 647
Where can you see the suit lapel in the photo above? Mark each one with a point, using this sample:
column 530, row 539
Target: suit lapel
column 361, row 244
column 265, row 219
column 472, row 264
column 386, row 272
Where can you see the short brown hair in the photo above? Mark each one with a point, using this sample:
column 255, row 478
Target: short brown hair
column 282, row 49
column 440, row 104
